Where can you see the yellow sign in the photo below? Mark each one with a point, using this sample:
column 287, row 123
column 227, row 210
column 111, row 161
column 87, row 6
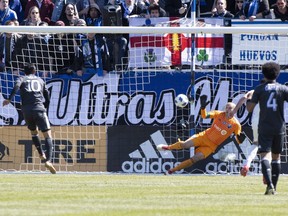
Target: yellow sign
column 76, row 148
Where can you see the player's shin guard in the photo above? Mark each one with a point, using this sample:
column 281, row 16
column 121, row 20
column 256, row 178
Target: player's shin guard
column 176, row 146
column 276, row 169
column 266, row 170
column 36, row 141
column 182, row 165
column 49, row 148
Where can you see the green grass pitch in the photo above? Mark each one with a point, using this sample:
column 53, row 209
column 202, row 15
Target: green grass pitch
column 116, row 194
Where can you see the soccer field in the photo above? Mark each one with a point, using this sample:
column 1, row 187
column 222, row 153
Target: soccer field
column 116, row 194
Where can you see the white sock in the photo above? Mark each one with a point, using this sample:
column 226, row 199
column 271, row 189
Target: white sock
column 252, row 152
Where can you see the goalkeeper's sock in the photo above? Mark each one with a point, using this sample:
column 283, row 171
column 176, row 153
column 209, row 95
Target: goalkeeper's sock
column 276, row 169
column 266, row 170
column 176, row 146
column 182, row 165
column 36, row 141
column 49, row 148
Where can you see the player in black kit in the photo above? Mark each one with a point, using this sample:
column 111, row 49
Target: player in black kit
column 271, row 127
column 35, row 99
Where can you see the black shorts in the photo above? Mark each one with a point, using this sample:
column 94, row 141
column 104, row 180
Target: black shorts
column 37, row 119
column 271, row 143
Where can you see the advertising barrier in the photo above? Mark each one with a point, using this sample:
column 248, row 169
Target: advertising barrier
column 75, row 149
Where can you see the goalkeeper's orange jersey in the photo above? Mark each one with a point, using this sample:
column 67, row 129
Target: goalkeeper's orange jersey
column 221, row 127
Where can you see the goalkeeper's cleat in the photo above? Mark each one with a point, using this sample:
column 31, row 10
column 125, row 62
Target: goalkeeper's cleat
column 42, row 157
column 50, row 166
column 269, row 190
column 168, row 172
column 244, row 170
column 162, row 147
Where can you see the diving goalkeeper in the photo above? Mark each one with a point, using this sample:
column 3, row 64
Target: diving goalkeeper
column 206, row 142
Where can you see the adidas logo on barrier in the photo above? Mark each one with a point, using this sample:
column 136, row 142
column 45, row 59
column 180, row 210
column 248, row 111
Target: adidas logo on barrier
column 148, row 159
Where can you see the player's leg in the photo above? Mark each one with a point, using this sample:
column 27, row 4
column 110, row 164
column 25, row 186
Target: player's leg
column 253, row 149
column 276, row 158
column 44, row 126
column 178, row 145
column 48, row 144
column 187, row 163
column 49, row 151
column 265, row 144
column 276, row 169
column 31, row 124
column 202, row 151
column 252, row 152
column 37, row 143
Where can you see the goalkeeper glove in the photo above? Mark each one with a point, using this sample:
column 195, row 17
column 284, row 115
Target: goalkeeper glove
column 241, row 137
column 203, row 101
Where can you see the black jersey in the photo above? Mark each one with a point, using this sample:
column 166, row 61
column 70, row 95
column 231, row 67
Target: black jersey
column 33, row 92
column 271, row 97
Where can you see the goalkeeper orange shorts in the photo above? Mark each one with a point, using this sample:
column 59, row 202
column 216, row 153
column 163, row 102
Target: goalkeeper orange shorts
column 203, row 144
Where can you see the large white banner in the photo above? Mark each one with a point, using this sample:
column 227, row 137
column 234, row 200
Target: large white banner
column 259, row 48
column 160, row 50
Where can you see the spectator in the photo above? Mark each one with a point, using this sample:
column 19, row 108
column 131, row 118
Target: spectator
column 47, row 35
column 17, row 7
column 175, row 8
column 93, row 57
column 45, row 8
column 221, row 10
column 129, row 8
column 9, row 47
column 146, row 4
column 6, row 13
column 33, row 17
column 238, row 8
column 69, row 14
column 255, row 9
column 62, row 51
column 117, row 44
column 230, row 6
column 94, row 17
column 81, row 8
column 280, row 10
column 154, row 11
column 35, row 50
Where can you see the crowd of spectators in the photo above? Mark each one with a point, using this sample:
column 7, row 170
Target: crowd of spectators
column 85, row 53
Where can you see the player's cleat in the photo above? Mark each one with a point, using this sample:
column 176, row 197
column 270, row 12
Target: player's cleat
column 50, row 166
column 244, row 170
column 162, row 147
column 168, row 172
column 42, row 157
column 269, row 190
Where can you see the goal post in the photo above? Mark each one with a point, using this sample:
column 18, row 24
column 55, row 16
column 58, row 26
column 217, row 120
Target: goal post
column 113, row 122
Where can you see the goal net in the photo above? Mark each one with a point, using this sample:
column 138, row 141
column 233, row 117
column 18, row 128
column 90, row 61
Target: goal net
column 113, row 120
